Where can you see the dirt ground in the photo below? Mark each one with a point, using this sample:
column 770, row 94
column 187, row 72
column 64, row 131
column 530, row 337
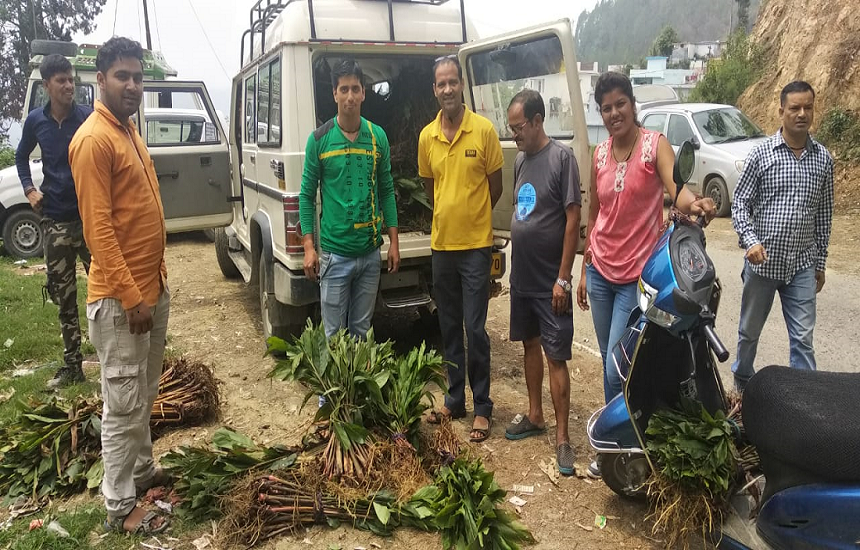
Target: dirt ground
column 217, row 321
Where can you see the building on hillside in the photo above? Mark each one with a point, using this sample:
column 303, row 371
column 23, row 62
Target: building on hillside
column 692, row 51
column 657, row 72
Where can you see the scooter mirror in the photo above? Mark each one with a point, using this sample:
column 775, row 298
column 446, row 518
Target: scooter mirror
column 685, row 162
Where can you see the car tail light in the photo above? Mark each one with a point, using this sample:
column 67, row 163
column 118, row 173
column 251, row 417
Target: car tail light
column 291, row 225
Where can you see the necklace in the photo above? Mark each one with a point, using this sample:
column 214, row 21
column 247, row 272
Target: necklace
column 345, row 131
column 630, row 152
column 796, row 148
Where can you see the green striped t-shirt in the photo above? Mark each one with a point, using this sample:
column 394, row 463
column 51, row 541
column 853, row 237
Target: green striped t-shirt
column 356, row 188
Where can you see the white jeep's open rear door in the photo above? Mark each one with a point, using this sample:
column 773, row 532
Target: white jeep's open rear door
column 186, row 140
column 541, row 58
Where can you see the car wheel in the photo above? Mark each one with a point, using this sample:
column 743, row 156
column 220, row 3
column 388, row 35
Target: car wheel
column 279, row 320
column 717, row 190
column 222, row 254
column 22, row 234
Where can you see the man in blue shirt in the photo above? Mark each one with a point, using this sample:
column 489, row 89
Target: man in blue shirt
column 51, row 128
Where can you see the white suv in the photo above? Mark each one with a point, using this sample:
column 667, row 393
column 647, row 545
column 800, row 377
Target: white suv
column 723, row 135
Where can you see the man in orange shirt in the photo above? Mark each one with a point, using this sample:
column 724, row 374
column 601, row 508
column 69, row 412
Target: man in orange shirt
column 127, row 297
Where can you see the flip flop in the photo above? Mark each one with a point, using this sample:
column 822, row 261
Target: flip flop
column 564, row 458
column 485, row 432
column 521, row 427
column 435, row 417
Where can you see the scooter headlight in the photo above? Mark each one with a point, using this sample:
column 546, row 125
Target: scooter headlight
column 647, row 299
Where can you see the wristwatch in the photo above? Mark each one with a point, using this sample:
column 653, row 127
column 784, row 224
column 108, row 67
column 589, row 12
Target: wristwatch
column 565, row 285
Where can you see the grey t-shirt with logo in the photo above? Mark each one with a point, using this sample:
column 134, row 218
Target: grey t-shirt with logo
column 546, row 184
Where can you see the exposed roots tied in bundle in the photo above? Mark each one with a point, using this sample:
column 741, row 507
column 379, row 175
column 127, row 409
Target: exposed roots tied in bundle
column 350, row 463
column 266, row 505
column 441, row 447
column 187, row 395
column 680, row 515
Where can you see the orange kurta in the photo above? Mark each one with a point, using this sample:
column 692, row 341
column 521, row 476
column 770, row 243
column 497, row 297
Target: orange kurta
column 121, row 210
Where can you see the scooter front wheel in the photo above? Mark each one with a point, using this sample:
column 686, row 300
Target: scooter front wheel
column 625, row 473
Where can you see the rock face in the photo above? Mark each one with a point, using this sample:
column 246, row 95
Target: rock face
column 813, row 40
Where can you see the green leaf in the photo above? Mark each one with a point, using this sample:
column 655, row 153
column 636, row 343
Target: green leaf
column 228, row 439
column 382, row 512
column 284, row 463
column 95, row 474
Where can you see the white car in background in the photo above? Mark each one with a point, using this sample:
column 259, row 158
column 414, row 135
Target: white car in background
column 166, row 128
column 723, row 135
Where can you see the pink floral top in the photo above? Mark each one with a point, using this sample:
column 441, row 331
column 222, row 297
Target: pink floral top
column 631, row 209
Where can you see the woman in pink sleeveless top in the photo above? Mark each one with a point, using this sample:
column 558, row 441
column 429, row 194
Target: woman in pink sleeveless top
column 630, row 171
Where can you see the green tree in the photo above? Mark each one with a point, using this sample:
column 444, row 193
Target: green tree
column 743, row 15
column 665, row 41
column 620, row 31
column 7, row 154
column 22, row 22
column 726, row 78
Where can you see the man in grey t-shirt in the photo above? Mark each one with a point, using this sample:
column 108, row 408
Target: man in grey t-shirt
column 544, row 234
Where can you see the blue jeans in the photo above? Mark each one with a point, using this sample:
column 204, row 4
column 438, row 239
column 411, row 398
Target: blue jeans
column 611, row 305
column 798, row 309
column 348, row 288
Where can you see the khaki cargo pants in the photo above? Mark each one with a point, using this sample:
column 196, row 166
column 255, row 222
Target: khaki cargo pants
column 130, row 369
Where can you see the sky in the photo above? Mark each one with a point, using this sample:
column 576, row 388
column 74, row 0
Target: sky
column 212, row 55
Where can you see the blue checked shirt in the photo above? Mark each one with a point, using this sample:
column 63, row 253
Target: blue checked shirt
column 785, row 203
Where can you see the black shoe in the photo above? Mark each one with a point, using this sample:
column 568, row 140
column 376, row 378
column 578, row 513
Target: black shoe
column 66, row 376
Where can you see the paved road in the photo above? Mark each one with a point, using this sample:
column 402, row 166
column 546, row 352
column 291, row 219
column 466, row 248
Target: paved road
column 836, row 330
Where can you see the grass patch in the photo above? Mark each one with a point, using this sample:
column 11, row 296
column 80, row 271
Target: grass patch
column 85, row 524
column 32, row 329
column 839, row 130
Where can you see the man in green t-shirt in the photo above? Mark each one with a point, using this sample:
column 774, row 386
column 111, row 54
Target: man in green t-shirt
column 348, row 160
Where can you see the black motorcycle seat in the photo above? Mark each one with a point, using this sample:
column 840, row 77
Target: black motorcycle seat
column 806, row 419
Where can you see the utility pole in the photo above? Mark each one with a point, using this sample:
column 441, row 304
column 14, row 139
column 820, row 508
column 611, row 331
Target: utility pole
column 146, row 23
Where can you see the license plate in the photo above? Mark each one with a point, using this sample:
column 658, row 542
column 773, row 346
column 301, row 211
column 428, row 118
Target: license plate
column 497, row 266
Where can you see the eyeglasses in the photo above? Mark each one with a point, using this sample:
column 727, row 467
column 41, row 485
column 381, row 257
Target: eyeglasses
column 516, row 129
column 451, row 56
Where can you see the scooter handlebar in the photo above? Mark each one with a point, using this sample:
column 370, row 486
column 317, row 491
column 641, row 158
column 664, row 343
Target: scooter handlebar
column 719, row 349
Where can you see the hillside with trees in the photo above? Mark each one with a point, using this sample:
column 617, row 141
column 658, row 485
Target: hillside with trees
column 623, row 31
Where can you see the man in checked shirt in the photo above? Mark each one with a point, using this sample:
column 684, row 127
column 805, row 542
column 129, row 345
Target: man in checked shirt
column 782, row 212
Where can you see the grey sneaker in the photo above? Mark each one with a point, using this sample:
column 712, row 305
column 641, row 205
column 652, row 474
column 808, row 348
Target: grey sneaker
column 66, row 376
column 593, row 470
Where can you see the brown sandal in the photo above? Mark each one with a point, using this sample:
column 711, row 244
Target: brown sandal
column 435, row 417
column 145, row 527
column 484, row 433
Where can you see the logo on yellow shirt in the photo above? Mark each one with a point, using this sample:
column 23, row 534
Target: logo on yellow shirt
column 471, row 153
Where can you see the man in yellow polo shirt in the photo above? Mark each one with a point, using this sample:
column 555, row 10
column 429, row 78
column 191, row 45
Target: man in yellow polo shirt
column 460, row 160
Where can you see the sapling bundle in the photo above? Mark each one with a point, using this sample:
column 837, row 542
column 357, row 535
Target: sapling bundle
column 187, row 395
column 696, row 463
column 348, row 374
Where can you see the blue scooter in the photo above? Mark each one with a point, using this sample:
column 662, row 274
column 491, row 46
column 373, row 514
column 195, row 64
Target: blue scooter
column 810, row 458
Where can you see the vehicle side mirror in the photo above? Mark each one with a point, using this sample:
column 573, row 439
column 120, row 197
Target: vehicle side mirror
column 685, row 162
column 696, row 143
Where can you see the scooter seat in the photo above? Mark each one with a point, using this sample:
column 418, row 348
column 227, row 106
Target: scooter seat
column 805, row 419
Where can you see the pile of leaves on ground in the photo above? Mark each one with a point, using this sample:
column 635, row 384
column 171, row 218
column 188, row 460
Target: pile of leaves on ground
column 372, row 466
column 697, row 465
column 461, row 501
column 53, row 448
column 204, row 475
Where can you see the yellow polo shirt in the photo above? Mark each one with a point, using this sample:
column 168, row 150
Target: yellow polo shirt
column 462, row 210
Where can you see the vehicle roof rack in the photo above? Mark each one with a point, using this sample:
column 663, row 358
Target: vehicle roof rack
column 264, row 12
